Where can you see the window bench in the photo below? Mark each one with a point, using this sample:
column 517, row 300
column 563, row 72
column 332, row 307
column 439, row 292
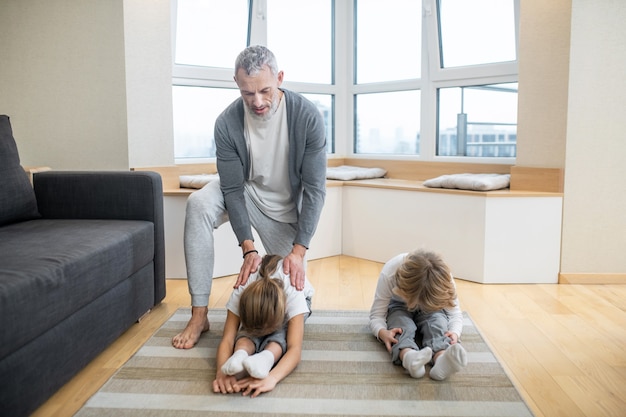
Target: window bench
column 500, row 236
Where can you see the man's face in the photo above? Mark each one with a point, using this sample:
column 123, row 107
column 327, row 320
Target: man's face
column 260, row 92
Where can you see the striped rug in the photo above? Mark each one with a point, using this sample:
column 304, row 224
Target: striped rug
column 344, row 372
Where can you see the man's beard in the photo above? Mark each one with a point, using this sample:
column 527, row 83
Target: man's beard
column 267, row 116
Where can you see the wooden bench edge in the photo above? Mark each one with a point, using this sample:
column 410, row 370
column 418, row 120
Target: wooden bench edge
column 402, row 175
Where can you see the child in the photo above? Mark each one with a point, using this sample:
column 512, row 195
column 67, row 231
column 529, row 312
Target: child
column 264, row 326
column 416, row 295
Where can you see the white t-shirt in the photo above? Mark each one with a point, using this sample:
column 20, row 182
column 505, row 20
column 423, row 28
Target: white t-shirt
column 268, row 146
column 296, row 300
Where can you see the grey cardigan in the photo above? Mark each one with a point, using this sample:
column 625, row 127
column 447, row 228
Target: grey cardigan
column 307, row 164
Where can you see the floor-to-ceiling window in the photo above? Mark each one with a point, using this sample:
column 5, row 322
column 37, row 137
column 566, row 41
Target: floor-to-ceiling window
column 421, row 79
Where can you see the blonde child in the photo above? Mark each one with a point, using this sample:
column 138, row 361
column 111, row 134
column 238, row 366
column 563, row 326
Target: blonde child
column 416, row 297
column 263, row 332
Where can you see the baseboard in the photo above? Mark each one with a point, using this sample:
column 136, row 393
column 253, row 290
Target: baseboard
column 598, row 279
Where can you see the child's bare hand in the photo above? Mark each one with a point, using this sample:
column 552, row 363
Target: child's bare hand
column 254, row 387
column 225, row 384
column 454, row 338
column 388, row 337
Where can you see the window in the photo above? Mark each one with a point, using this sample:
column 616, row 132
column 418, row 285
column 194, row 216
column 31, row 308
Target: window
column 208, row 35
column 476, row 32
column 198, row 26
column 384, row 127
column 442, row 78
column 421, row 79
column 195, row 111
column 299, row 32
column 307, row 57
column 477, row 121
column 388, row 39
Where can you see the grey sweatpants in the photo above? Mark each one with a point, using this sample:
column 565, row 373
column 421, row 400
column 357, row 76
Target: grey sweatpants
column 205, row 212
column 415, row 325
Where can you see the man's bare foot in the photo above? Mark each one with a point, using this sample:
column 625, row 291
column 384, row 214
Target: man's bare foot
column 198, row 324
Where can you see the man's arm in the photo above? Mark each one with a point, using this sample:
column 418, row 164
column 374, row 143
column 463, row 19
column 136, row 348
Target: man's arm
column 308, row 139
column 233, row 167
column 312, row 177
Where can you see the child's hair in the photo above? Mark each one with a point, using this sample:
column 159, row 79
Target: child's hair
column 262, row 304
column 424, row 281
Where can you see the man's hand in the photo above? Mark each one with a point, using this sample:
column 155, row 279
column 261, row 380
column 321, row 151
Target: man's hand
column 388, row 337
column 251, row 263
column 293, row 265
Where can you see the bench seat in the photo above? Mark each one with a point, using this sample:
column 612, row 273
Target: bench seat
column 486, row 236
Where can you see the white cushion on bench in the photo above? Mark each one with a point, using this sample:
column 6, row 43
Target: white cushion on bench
column 197, row 181
column 475, row 182
column 347, row 172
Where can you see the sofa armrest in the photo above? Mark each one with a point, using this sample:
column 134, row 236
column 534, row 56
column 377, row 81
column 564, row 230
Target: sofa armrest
column 120, row 195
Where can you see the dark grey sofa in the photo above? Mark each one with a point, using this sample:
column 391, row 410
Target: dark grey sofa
column 82, row 258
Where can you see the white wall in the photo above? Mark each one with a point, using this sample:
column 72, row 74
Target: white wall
column 64, row 74
column 147, row 34
column 62, row 81
column 572, row 107
column 594, row 216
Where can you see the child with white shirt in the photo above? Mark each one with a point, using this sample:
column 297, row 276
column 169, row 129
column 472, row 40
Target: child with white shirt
column 263, row 332
column 416, row 300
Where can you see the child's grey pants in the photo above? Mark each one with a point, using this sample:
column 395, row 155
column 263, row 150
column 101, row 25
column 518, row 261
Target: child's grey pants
column 430, row 327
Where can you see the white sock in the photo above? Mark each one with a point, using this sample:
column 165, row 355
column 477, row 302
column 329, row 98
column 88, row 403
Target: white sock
column 450, row 362
column 234, row 364
column 414, row 361
column 259, row 365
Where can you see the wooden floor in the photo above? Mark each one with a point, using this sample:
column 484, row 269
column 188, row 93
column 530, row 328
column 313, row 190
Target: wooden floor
column 562, row 345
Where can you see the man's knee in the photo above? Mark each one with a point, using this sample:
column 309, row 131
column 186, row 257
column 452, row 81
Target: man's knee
column 201, row 208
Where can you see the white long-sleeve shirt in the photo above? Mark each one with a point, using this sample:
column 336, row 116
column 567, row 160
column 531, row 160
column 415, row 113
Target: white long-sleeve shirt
column 384, row 294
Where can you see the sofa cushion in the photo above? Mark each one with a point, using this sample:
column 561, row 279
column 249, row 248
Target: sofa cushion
column 50, row 269
column 17, row 199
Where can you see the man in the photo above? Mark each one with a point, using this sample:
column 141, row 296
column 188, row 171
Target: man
column 271, row 160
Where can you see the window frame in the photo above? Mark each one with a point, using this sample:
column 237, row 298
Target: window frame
column 473, row 75
column 213, row 77
column 344, row 88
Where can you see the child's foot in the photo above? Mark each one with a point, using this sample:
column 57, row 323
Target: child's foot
column 414, row 361
column 450, row 362
column 234, row 364
column 259, row 365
